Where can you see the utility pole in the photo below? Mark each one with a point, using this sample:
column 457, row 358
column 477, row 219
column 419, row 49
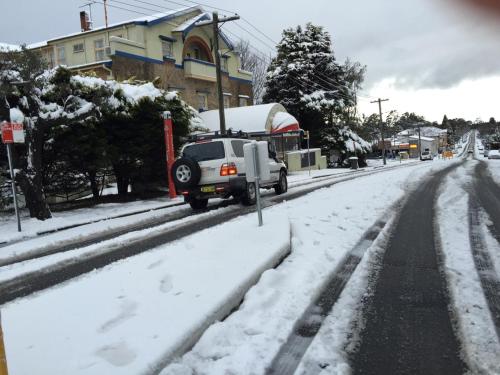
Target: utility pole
column 215, row 24
column 419, row 142
column 379, row 101
column 105, row 2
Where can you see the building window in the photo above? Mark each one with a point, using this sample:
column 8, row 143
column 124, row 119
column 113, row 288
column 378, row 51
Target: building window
column 100, row 50
column 61, row 55
column 79, row 47
column 202, row 101
column 243, row 102
column 50, row 56
column 227, row 101
column 167, row 49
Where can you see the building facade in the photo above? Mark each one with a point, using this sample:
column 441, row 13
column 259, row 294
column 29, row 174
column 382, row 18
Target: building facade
column 168, row 48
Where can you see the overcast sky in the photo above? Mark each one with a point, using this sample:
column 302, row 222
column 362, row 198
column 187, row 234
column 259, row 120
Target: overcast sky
column 433, row 57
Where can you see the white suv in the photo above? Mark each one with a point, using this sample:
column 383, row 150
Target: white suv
column 215, row 167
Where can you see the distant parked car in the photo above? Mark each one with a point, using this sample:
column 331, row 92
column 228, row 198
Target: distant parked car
column 494, row 154
column 426, row 155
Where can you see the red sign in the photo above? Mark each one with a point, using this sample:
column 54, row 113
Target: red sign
column 7, row 133
column 12, row 133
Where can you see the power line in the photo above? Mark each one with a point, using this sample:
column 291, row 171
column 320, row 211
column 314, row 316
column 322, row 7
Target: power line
column 203, row 5
column 121, row 8
column 302, row 83
column 260, row 32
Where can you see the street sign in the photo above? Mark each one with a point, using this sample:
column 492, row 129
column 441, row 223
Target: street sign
column 12, row 133
column 18, row 133
column 7, row 134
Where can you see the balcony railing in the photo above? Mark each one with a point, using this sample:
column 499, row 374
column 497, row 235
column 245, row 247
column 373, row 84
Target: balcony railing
column 199, row 69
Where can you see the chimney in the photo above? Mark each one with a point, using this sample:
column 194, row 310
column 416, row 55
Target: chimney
column 85, row 21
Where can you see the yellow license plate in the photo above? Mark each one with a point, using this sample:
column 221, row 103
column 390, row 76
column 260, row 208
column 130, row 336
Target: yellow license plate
column 208, row 189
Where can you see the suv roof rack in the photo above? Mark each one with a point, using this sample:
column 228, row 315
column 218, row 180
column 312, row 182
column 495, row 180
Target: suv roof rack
column 217, row 134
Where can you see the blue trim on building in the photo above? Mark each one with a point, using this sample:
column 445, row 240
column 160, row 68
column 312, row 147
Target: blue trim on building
column 199, row 61
column 241, row 80
column 170, row 59
column 108, row 64
column 193, row 25
column 138, row 57
column 167, row 38
column 226, row 40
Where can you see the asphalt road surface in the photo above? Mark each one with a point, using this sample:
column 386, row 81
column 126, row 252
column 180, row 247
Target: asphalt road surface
column 408, row 327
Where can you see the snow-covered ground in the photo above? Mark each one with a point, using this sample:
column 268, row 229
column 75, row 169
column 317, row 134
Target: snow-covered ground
column 31, row 227
column 105, row 217
column 326, row 225
column 31, row 247
column 131, row 315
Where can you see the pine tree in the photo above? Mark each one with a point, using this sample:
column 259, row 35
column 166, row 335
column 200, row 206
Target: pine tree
column 306, row 79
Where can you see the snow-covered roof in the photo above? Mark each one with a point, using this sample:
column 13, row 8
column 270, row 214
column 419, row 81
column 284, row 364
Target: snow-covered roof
column 185, row 27
column 422, row 138
column 9, row 47
column 432, row 131
column 144, row 21
column 268, row 118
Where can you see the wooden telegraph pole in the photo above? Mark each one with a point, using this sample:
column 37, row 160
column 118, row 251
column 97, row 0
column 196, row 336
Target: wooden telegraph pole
column 216, row 33
column 105, row 12
column 379, row 101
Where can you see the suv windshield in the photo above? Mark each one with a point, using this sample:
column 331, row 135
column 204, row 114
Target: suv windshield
column 205, row 151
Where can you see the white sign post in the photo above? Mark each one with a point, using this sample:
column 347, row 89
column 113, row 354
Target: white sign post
column 13, row 133
column 257, row 168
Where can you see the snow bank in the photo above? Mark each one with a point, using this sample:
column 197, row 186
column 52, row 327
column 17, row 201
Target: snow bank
column 476, row 328
column 32, row 227
column 135, row 314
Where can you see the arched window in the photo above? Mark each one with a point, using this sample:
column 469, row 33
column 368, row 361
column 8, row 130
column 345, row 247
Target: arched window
column 196, row 48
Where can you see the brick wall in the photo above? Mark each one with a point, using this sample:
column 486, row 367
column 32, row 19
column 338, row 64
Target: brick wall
column 172, row 78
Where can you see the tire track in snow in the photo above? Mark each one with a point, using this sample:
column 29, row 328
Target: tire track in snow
column 306, row 328
column 484, row 264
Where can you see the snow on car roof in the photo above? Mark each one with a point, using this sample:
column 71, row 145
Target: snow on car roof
column 268, row 118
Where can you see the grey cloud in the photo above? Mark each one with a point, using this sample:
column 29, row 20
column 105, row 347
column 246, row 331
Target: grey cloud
column 420, row 43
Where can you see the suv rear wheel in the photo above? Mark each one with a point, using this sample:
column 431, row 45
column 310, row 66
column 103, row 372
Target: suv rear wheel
column 198, row 204
column 186, row 173
column 250, row 195
column 282, row 186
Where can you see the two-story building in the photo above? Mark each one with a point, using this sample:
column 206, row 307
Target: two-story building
column 168, row 48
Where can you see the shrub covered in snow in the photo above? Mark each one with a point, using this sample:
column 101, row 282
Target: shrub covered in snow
column 77, row 126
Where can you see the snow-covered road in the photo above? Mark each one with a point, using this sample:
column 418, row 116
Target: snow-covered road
column 325, row 224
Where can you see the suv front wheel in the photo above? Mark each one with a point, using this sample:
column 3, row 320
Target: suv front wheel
column 250, row 195
column 282, row 186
